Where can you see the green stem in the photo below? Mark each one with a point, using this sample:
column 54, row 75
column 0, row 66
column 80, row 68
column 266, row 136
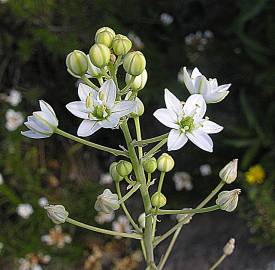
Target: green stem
column 149, row 179
column 125, row 208
column 155, row 148
column 93, row 145
column 127, row 86
column 100, row 80
column 130, row 193
column 89, row 83
column 218, row 262
column 151, row 140
column 187, row 211
column 129, row 181
column 103, row 71
column 140, row 176
column 138, row 132
column 143, row 248
column 104, row 231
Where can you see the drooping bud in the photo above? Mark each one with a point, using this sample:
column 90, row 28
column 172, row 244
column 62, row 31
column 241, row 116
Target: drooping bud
column 158, row 200
column 107, row 202
column 139, row 108
column 229, row 247
column 134, row 63
column 77, row 63
column 57, row 213
column 113, row 172
column 105, row 36
column 121, row 45
column 150, row 165
column 139, row 81
column 141, row 220
column 100, row 55
column 165, row 163
column 186, row 217
column 229, row 173
column 124, row 168
column 228, row 200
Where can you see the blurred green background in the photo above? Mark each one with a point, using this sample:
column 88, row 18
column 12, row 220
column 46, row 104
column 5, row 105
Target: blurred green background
column 232, row 41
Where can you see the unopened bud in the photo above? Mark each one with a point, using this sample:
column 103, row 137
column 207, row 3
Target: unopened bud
column 141, row 220
column 57, row 213
column 139, row 108
column 100, row 55
column 165, row 163
column 158, row 200
column 107, row 202
column 121, row 45
column 124, row 168
column 113, row 172
column 134, row 63
column 229, row 247
column 184, row 217
column 139, row 81
column 94, row 71
column 105, row 36
column 228, row 200
column 150, row 165
column 77, row 63
column 229, row 173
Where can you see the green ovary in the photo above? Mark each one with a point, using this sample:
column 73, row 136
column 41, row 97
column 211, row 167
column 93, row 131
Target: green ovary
column 187, row 123
column 100, row 112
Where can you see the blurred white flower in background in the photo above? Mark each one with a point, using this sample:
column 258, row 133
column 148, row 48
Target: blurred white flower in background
column 14, row 97
column 122, row 225
column 198, row 40
column 13, row 120
column 3, row 1
column 105, row 179
column 182, row 180
column 43, row 201
column 1, row 247
column 205, row 170
column 24, row 210
column 33, row 261
column 136, row 40
column 166, row 19
column 1, row 179
column 56, row 237
column 102, row 218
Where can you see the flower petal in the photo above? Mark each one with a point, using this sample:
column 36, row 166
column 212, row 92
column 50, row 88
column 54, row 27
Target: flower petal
column 215, row 97
column 210, row 127
column 78, row 108
column 201, row 85
column 195, row 73
column 84, row 90
column 34, row 135
column 176, row 140
column 37, row 126
column 188, row 82
column 123, row 108
column 87, row 128
column 167, row 118
column 108, row 92
column 110, row 122
column 172, row 102
column 49, row 118
column 195, row 106
column 45, row 107
column 201, row 139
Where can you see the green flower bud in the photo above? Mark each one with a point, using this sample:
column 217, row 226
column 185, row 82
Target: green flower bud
column 228, row 200
column 141, row 220
column 121, row 45
column 124, row 168
column 113, row 172
column 77, row 63
column 165, row 163
column 150, row 165
column 107, row 202
column 100, row 55
column 57, row 213
column 134, row 63
column 105, row 36
column 229, row 173
column 139, row 81
column 158, row 200
column 139, row 108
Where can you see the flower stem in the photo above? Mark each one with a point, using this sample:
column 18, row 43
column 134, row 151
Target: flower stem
column 149, row 179
column 89, row 83
column 218, row 262
column 138, row 132
column 187, row 211
column 130, row 193
column 104, row 231
column 155, row 148
column 93, row 145
column 127, row 86
column 151, row 140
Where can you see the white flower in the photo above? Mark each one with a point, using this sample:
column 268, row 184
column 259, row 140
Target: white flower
column 1, row 179
column 205, row 170
column 105, row 179
column 24, row 210
column 187, row 122
column 209, row 89
column 166, row 18
column 98, row 109
column 102, row 218
column 137, row 42
column 43, row 201
column 122, row 225
column 42, row 124
column 56, row 237
column 13, row 120
column 182, row 181
column 14, row 98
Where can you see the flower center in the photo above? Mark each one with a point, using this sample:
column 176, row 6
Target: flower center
column 187, row 123
column 100, row 112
